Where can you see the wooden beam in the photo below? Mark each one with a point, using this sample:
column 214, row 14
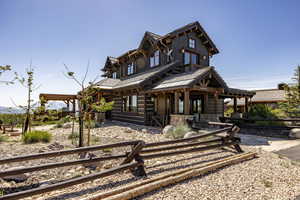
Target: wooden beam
column 235, row 104
column 176, row 102
column 246, row 105
column 186, row 102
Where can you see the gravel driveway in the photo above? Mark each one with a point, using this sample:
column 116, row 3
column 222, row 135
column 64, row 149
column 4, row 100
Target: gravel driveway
column 267, row 177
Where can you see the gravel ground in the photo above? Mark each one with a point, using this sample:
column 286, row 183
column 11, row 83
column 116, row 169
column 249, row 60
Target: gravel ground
column 267, row 177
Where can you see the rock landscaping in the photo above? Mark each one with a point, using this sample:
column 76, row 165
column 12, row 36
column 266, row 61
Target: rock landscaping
column 266, row 177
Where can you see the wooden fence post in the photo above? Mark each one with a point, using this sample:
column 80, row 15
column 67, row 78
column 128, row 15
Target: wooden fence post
column 135, row 155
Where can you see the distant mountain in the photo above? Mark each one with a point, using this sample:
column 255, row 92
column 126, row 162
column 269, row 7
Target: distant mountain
column 52, row 105
column 49, row 106
column 10, row 110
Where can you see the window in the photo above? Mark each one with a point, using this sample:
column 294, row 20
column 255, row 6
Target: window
column 190, row 58
column 192, row 43
column 180, row 105
column 130, row 69
column 197, row 105
column 114, row 75
column 130, row 103
column 154, row 59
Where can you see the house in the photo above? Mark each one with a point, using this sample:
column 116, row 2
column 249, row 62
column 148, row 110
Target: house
column 167, row 79
column 270, row 97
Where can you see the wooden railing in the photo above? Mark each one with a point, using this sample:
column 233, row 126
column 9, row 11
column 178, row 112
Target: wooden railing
column 133, row 160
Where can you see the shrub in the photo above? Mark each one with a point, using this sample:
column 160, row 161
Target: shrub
column 15, row 119
column 261, row 111
column 228, row 112
column 66, row 119
column 37, row 136
column 73, row 136
column 179, row 131
column 94, row 124
column 59, row 125
column 3, row 138
column 95, row 139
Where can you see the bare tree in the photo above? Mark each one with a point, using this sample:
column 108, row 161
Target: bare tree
column 3, row 69
column 29, row 85
column 86, row 102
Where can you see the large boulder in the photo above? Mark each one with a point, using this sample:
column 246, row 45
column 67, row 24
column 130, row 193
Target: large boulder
column 190, row 134
column 295, row 133
column 67, row 125
column 168, row 129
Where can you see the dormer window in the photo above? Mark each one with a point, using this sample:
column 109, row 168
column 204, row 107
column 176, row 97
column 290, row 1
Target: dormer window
column 192, row 43
column 130, row 69
column 114, row 75
column 154, row 59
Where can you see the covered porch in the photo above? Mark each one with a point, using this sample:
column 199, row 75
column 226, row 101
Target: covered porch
column 195, row 104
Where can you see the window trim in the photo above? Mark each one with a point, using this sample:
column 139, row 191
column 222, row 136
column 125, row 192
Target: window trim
column 193, row 42
column 190, row 57
column 127, row 103
column 131, row 67
column 155, row 59
column 112, row 75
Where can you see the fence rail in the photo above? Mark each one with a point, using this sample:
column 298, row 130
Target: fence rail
column 133, row 160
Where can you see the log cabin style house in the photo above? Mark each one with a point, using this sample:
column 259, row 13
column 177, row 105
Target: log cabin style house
column 167, row 80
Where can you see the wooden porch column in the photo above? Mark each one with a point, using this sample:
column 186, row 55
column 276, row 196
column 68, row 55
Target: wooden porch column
column 68, row 105
column 235, row 104
column 74, row 106
column 246, row 105
column 186, row 102
column 176, row 102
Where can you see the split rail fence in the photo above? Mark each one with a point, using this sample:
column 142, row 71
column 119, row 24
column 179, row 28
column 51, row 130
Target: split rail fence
column 133, row 160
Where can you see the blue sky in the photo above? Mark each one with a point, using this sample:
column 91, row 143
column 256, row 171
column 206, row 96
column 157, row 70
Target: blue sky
column 259, row 41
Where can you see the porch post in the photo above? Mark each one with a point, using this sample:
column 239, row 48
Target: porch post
column 68, row 105
column 246, row 105
column 74, row 104
column 235, row 104
column 176, row 96
column 186, row 102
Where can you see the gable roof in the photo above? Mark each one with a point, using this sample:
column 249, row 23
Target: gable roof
column 264, row 96
column 110, row 61
column 155, row 38
column 187, row 79
column 107, row 83
column 196, row 27
column 135, row 79
column 149, row 36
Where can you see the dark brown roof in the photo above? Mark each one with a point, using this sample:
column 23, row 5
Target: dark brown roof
column 107, row 83
column 238, row 92
column 195, row 25
column 261, row 96
column 155, row 38
column 133, row 80
column 185, row 80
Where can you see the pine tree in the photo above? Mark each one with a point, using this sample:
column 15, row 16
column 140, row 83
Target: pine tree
column 292, row 95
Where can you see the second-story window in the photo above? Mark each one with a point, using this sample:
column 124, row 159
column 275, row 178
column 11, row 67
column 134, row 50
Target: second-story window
column 192, row 43
column 130, row 69
column 190, row 58
column 154, row 59
column 114, row 75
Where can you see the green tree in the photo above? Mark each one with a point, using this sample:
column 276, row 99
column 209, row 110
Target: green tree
column 292, row 95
